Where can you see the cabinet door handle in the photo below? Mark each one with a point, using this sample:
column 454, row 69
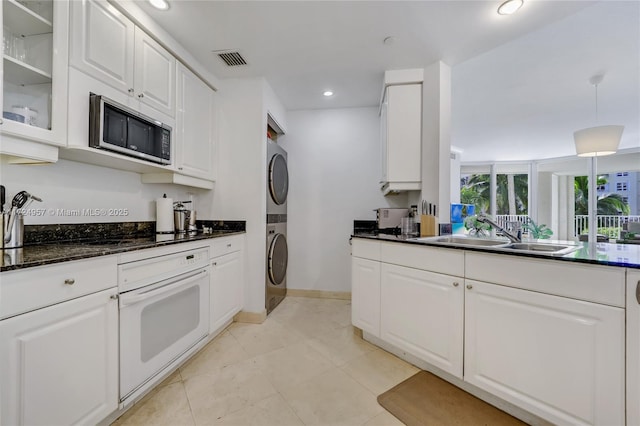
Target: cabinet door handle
column 456, row 284
column 215, row 263
column 469, row 286
column 130, row 90
column 114, row 297
column 141, row 95
column 179, row 168
column 69, row 281
column 638, row 291
column 228, row 245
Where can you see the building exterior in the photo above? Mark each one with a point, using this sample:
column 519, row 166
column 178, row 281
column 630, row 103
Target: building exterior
column 625, row 184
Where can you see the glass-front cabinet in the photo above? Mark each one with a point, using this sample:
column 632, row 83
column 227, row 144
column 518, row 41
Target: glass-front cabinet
column 34, row 75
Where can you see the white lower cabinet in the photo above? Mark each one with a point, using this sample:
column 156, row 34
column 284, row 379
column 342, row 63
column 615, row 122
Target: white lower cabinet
column 633, row 347
column 365, row 294
column 423, row 313
column 559, row 358
column 544, row 335
column 60, row 363
column 227, row 282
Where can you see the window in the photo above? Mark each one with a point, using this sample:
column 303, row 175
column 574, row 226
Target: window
column 622, row 174
column 511, row 193
column 625, row 200
column 602, row 187
column 621, row 186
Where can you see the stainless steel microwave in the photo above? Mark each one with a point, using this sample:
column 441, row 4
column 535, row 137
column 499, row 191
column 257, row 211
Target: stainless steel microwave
column 118, row 128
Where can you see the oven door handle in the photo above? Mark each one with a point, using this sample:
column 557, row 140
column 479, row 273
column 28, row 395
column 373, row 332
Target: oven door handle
column 159, row 288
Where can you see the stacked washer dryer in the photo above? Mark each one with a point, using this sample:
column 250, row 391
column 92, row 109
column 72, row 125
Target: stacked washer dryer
column 277, row 251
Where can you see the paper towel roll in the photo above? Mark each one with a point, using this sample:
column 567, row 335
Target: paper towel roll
column 164, row 216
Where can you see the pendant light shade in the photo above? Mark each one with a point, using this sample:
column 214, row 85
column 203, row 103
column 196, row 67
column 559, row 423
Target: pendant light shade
column 597, row 141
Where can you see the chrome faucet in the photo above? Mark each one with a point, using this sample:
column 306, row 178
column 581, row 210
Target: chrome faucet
column 513, row 238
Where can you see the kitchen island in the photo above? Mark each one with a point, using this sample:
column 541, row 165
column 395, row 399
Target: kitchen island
column 609, row 254
column 533, row 334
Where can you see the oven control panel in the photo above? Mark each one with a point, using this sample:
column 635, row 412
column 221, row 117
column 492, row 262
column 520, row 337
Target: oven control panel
column 194, row 258
column 143, row 272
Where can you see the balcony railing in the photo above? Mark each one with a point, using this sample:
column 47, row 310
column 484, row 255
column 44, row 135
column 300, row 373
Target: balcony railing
column 502, row 219
column 608, row 225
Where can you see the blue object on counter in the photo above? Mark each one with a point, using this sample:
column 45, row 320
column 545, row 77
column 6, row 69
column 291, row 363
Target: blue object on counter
column 461, row 211
column 13, row 116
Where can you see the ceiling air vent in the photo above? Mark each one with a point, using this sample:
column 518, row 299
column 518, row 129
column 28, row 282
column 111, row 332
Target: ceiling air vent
column 231, row 58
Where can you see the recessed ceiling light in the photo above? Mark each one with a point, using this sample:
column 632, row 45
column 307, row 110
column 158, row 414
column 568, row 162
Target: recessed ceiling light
column 159, row 4
column 509, row 7
column 328, row 93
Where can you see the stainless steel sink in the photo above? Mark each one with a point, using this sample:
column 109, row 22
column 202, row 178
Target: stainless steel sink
column 549, row 249
column 542, row 248
column 463, row 241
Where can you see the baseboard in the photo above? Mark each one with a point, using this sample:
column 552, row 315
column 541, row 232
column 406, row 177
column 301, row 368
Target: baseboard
column 251, row 317
column 319, row 294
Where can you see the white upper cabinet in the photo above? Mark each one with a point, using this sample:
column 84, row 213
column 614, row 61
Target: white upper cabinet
column 102, row 43
column 108, row 46
column 195, row 126
column 154, row 79
column 401, row 131
column 34, row 78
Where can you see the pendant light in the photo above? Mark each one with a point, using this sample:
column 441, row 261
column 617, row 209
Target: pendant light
column 594, row 142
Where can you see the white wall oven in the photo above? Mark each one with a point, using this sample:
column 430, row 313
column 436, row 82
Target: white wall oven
column 164, row 313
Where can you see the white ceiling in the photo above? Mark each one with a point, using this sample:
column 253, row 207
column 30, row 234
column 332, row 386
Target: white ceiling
column 520, row 83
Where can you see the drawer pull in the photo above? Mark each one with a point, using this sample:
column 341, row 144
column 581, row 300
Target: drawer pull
column 469, row 286
column 141, row 95
column 228, row 245
column 69, row 281
column 638, row 291
column 456, row 284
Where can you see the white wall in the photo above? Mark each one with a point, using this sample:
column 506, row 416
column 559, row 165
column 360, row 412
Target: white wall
column 68, row 185
column 334, row 169
column 436, row 138
column 240, row 192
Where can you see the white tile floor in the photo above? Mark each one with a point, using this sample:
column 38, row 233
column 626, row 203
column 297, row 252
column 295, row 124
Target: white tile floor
column 302, row 366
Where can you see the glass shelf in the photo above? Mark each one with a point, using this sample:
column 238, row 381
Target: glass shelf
column 24, row 21
column 22, row 74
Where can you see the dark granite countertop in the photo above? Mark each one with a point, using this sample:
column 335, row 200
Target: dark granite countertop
column 609, row 254
column 47, row 246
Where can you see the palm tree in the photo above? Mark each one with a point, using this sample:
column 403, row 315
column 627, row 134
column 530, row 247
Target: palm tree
column 511, row 197
column 475, row 190
column 608, row 204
